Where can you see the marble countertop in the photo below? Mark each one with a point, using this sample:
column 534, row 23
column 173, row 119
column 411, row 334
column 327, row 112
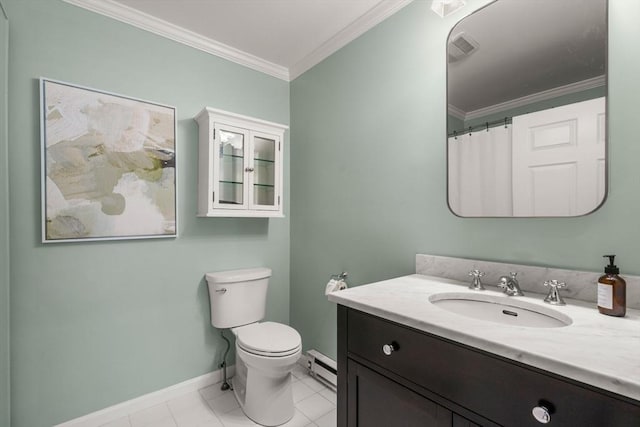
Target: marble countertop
column 595, row 349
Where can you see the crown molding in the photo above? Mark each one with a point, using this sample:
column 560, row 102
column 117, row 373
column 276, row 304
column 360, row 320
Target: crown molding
column 545, row 95
column 373, row 17
column 456, row 112
column 147, row 22
column 176, row 33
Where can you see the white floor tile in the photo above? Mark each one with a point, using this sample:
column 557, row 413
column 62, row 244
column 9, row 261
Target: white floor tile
column 213, row 422
column 298, row 420
column 313, row 383
column 186, row 401
column 156, row 416
column 301, row 391
column 329, row 394
column 192, row 410
column 300, row 371
column 315, row 406
column 212, row 391
column 224, row 403
column 235, row 418
column 328, row 420
column 121, row 422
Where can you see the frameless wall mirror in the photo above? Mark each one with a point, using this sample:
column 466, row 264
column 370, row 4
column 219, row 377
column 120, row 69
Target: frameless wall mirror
column 526, row 122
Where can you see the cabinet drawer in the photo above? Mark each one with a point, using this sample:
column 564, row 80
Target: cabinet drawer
column 496, row 388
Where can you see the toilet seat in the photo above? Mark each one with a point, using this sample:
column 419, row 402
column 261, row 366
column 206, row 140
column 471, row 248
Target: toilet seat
column 269, row 339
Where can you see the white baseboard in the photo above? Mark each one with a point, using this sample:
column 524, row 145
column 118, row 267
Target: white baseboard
column 123, row 409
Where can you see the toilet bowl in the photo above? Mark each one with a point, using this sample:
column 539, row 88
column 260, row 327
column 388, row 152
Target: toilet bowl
column 265, row 355
column 266, row 352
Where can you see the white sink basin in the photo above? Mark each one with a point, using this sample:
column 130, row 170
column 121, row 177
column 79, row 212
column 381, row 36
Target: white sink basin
column 500, row 309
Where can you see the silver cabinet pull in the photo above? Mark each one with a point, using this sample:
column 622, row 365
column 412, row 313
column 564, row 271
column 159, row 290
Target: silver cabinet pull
column 541, row 414
column 248, row 169
column 387, row 349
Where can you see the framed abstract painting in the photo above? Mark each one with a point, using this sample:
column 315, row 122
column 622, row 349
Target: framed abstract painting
column 108, row 165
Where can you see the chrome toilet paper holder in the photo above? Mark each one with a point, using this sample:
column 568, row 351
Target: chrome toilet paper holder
column 340, row 277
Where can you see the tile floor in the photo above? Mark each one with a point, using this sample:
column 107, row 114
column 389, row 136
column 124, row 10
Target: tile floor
column 211, row 407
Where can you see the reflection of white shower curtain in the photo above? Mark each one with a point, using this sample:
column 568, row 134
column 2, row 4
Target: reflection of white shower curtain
column 480, row 173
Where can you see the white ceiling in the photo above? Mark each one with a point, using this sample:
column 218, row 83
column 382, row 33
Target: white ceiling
column 283, row 38
column 527, row 47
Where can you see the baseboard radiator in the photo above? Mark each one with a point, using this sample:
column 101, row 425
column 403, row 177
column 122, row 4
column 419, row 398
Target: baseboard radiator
column 323, row 368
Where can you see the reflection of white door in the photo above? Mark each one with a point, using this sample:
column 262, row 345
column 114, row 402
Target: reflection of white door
column 558, row 160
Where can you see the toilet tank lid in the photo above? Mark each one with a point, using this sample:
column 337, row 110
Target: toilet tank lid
column 231, row 276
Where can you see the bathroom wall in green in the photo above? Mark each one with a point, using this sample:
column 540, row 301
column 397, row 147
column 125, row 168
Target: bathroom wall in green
column 4, row 226
column 95, row 324
column 369, row 169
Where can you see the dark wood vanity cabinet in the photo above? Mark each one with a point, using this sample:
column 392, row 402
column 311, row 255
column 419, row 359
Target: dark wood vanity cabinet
column 429, row 381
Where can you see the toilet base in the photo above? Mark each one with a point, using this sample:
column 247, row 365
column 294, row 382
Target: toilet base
column 265, row 395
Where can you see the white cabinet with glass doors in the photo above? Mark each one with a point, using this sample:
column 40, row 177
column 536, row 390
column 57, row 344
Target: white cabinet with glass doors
column 240, row 165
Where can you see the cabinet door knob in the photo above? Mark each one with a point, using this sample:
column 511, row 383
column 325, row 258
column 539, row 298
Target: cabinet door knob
column 387, row 349
column 541, row 414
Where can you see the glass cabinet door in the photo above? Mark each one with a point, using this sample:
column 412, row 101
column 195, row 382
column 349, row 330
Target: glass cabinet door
column 230, row 173
column 264, row 178
column 240, row 165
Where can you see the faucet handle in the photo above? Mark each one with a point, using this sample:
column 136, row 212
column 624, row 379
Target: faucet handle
column 476, row 283
column 476, row 273
column 555, row 284
column 554, row 297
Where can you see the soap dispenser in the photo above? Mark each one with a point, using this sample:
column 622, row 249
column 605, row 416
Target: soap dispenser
column 612, row 291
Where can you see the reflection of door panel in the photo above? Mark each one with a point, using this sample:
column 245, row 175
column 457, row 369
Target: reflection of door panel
column 558, row 160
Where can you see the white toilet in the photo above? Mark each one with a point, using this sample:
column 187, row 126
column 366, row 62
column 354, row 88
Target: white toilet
column 266, row 352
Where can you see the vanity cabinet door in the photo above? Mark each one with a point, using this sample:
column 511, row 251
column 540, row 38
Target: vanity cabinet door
column 459, row 421
column 490, row 386
column 377, row 401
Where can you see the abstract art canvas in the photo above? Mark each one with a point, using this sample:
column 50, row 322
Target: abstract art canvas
column 108, row 165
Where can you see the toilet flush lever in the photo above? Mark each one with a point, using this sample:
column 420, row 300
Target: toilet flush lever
column 221, row 290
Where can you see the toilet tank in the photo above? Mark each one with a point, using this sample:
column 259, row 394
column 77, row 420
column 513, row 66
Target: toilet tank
column 238, row 297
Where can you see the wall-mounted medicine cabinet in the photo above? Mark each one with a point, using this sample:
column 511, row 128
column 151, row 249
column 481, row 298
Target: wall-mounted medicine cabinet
column 240, row 170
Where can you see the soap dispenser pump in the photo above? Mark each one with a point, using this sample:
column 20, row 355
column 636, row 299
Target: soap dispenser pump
column 612, row 290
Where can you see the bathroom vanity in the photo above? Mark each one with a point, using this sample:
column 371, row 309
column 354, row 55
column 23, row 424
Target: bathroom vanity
column 404, row 361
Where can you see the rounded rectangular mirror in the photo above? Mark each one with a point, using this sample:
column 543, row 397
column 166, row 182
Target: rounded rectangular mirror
column 527, row 107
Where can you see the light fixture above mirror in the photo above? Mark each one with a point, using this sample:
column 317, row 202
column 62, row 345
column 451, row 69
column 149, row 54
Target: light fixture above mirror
column 446, row 7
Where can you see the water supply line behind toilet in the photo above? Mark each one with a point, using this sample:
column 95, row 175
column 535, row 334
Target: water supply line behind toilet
column 225, row 384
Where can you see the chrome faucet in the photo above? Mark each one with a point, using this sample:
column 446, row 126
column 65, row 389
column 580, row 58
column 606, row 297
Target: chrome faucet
column 476, row 283
column 510, row 286
column 554, row 297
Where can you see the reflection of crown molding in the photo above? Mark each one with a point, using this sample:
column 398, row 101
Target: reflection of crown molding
column 373, row 17
column 171, row 31
column 545, row 95
column 456, row 112
column 131, row 16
